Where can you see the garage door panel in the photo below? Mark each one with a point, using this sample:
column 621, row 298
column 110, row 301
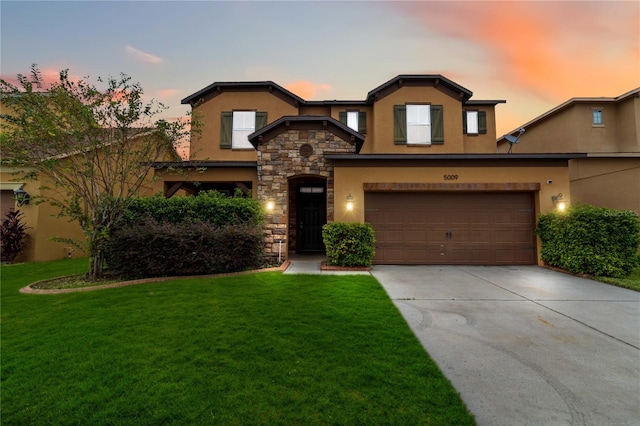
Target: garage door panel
column 452, row 228
column 521, row 218
column 480, row 218
column 503, row 236
column 522, row 237
column 460, row 217
column 414, row 218
column 416, row 236
column 505, row 256
column 394, row 217
column 438, row 217
column 392, row 236
column 436, row 235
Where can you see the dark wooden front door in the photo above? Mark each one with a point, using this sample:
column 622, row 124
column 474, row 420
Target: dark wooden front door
column 312, row 216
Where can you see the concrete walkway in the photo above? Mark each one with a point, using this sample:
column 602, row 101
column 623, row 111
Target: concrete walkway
column 526, row 345
column 310, row 264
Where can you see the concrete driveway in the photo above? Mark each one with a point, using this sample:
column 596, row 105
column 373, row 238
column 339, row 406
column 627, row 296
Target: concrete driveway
column 526, row 345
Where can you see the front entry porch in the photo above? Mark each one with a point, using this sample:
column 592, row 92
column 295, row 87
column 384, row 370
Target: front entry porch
column 307, row 213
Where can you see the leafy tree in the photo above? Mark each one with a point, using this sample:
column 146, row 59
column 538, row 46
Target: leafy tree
column 94, row 144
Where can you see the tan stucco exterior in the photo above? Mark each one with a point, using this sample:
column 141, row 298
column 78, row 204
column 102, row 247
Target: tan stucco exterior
column 289, row 158
column 42, row 220
column 610, row 175
column 351, row 180
column 206, row 146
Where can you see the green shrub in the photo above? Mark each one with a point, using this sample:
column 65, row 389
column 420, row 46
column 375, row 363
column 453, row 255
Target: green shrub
column 153, row 249
column 591, row 240
column 13, row 236
column 205, row 234
column 349, row 244
column 208, row 206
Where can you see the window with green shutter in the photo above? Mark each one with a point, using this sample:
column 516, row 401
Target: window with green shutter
column 235, row 126
column 482, row 122
column 356, row 120
column 362, row 122
column 418, row 124
column 261, row 119
column 437, row 125
column 400, row 124
column 474, row 122
column 226, row 129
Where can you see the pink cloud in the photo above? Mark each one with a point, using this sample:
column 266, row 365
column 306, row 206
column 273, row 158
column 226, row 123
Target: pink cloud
column 307, row 89
column 49, row 76
column 142, row 56
column 554, row 50
column 166, row 93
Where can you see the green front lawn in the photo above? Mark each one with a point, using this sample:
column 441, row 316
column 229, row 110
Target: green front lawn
column 266, row 348
column 631, row 282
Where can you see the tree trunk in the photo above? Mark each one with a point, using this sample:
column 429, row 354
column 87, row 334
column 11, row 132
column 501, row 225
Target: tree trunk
column 96, row 265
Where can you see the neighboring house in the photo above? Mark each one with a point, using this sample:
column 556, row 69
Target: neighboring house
column 416, row 159
column 40, row 217
column 46, row 227
column 608, row 131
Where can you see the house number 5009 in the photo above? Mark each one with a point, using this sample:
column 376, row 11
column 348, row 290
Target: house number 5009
column 450, row 177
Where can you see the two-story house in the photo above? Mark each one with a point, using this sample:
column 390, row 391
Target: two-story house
column 608, row 131
column 416, row 159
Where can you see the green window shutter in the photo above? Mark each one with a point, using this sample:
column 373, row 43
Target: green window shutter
column 464, row 122
column 342, row 117
column 226, row 129
column 482, row 122
column 261, row 119
column 400, row 124
column 437, row 125
column 362, row 122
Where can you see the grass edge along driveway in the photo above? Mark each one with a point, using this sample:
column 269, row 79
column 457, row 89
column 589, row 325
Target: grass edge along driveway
column 265, row 348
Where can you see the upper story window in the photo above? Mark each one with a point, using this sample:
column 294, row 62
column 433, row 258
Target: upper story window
column 244, row 123
column 236, row 126
column 416, row 124
column 474, row 122
column 419, row 124
column 597, row 117
column 352, row 120
column 356, row 120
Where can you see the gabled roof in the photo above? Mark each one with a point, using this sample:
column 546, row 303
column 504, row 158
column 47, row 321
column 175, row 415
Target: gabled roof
column 492, row 102
column 418, row 80
column 305, row 122
column 569, row 103
column 269, row 86
column 379, row 92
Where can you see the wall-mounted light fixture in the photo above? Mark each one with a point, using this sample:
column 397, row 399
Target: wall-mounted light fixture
column 349, row 203
column 270, row 205
column 22, row 196
column 559, row 202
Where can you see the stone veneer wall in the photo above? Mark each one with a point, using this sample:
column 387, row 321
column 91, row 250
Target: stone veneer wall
column 279, row 159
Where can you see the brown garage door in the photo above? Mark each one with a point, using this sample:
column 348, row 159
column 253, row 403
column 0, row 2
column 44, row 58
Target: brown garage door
column 463, row 228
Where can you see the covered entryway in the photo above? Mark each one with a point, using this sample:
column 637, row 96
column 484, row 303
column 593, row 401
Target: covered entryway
column 308, row 213
column 464, row 228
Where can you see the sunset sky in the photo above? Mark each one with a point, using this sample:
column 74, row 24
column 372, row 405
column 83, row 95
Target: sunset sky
column 534, row 55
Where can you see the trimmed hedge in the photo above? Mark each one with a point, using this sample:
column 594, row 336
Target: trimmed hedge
column 205, row 234
column 349, row 244
column 208, row 206
column 153, row 249
column 591, row 240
